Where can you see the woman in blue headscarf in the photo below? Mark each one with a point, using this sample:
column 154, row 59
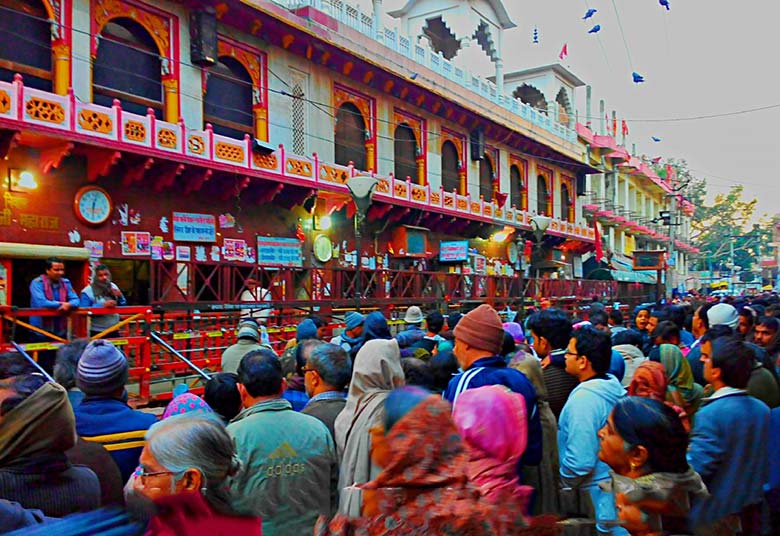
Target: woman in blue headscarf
column 374, row 327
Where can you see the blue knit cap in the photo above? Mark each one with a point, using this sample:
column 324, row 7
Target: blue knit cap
column 102, row 369
column 306, row 330
column 353, row 319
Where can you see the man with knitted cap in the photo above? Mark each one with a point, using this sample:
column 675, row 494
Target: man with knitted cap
column 353, row 328
column 104, row 416
column 478, row 339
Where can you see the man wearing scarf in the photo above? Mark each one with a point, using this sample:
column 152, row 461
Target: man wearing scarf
column 52, row 290
column 102, row 292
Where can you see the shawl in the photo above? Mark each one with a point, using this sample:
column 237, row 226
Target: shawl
column 658, row 494
column 43, row 424
column 678, row 370
column 423, row 486
column 377, row 371
column 492, row 422
column 650, row 378
column 56, row 323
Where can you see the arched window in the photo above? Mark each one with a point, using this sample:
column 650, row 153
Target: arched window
column 564, row 107
column 405, row 153
column 517, row 188
column 542, row 196
column 566, row 205
column 228, row 102
column 486, row 179
column 532, row 97
column 450, row 164
column 350, row 138
column 25, row 47
column 127, row 67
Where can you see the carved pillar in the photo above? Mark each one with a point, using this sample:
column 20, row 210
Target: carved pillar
column 170, row 99
column 61, row 52
column 370, row 155
column 462, row 187
column 261, row 122
column 421, row 178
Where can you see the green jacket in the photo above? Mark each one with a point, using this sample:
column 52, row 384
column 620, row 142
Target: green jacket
column 232, row 355
column 290, row 468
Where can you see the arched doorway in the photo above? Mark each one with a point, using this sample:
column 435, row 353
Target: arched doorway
column 127, row 67
column 566, row 204
column 405, row 153
column 228, row 101
column 26, row 47
column 350, row 137
column 450, row 166
column 542, row 196
column 486, row 176
column 517, row 188
column 532, row 97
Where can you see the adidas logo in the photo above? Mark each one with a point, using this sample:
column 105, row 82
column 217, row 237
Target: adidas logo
column 283, row 451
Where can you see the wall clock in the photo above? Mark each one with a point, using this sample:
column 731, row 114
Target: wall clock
column 92, row 205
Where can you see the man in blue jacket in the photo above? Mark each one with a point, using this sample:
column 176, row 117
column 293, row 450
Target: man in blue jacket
column 478, row 339
column 729, row 442
column 585, row 413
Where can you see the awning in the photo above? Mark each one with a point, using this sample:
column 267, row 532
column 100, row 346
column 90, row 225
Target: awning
column 35, row 251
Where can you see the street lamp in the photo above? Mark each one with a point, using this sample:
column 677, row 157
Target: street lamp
column 361, row 187
column 540, row 223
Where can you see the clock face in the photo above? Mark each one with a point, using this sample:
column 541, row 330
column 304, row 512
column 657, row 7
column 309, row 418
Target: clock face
column 323, row 249
column 92, row 205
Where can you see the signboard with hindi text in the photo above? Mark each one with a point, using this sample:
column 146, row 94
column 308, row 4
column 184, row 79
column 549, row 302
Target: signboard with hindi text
column 189, row 227
column 279, row 251
column 649, row 260
column 455, row 251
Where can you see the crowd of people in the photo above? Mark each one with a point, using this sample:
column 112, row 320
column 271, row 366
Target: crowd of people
column 664, row 423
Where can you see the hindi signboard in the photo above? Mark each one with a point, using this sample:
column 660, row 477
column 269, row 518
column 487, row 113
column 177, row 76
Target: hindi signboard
column 649, row 260
column 188, row 227
column 273, row 251
column 456, row 251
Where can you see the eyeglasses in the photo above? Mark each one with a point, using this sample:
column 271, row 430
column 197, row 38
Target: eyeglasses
column 575, row 354
column 304, row 370
column 143, row 474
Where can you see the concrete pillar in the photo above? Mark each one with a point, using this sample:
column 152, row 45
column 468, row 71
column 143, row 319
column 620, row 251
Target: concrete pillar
column 602, row 121
column 377, row 13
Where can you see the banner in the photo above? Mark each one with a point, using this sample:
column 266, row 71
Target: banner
column 189, row 227
column 279, row 251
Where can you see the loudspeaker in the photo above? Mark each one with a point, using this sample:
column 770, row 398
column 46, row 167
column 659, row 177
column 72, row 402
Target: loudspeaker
column 477, row 144
column 580, row 183
column 203, row 37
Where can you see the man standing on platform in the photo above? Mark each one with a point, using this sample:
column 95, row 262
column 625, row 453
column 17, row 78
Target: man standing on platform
column 102, row 293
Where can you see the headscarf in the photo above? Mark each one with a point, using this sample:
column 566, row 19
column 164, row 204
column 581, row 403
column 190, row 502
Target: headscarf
column 678, row 370
column 492, row 422
column 374, row 327
column 652, row 375
column 43, row 424
column 516, row 331
column 424, row 483
column 186, row 403
column 377, row 371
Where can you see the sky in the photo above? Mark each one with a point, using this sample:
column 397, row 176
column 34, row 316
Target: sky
column 702, row 57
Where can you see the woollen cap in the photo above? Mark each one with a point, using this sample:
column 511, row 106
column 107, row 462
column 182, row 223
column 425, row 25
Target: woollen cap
column 413, row 315
column 723, row 314
column 248, row 331
column 353, row 319
column 482, row 329
column 102, row 369
column 306, row 330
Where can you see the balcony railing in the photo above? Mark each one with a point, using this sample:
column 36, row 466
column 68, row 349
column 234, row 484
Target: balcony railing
column 406, row 46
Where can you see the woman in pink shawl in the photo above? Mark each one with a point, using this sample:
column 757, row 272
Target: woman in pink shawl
column 492, row 421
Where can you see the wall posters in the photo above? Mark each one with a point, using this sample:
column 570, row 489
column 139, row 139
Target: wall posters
column 136, row 244
column 279, row 251
column 190, row 227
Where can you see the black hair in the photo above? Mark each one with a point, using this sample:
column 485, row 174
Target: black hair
column 661, row 314
column 14, row 364
column 332, row 364
column 435, row 322
column 677, row 315
column 23, row 387
column 750, row 314
column 102, row 267
column 599, row 318
column 596, row 345
column 666, row 330
column 453, row 319
column 221, row 393
column 616, row 315
column 552, row 324
column 306, row 345
column 508, row 346
column 628, row 336
column 319, row 322
column 716, row 332
column 417, row 372
column 655, row 426
column 260, row 372
column 769, row 322
column 701, row 313
column 443, row 366
column 51, row 261
column 67, row 362
column 735, row 360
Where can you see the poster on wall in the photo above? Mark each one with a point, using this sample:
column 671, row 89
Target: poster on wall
column 190, row 227
column 279, row 251
column 234, row 249
column 136, row 244
column 183, row 253
column 95, row 248
column 157, row 248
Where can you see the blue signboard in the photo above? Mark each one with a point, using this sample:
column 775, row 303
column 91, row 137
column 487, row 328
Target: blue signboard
column 279, row 251
column 457, row 251
column 189, row 227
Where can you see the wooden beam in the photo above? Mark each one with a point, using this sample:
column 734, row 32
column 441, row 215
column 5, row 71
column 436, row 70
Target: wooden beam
column 100, row 162
column 194, row 179
column 165, row 175
column 135, row 173
column 52, row 156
